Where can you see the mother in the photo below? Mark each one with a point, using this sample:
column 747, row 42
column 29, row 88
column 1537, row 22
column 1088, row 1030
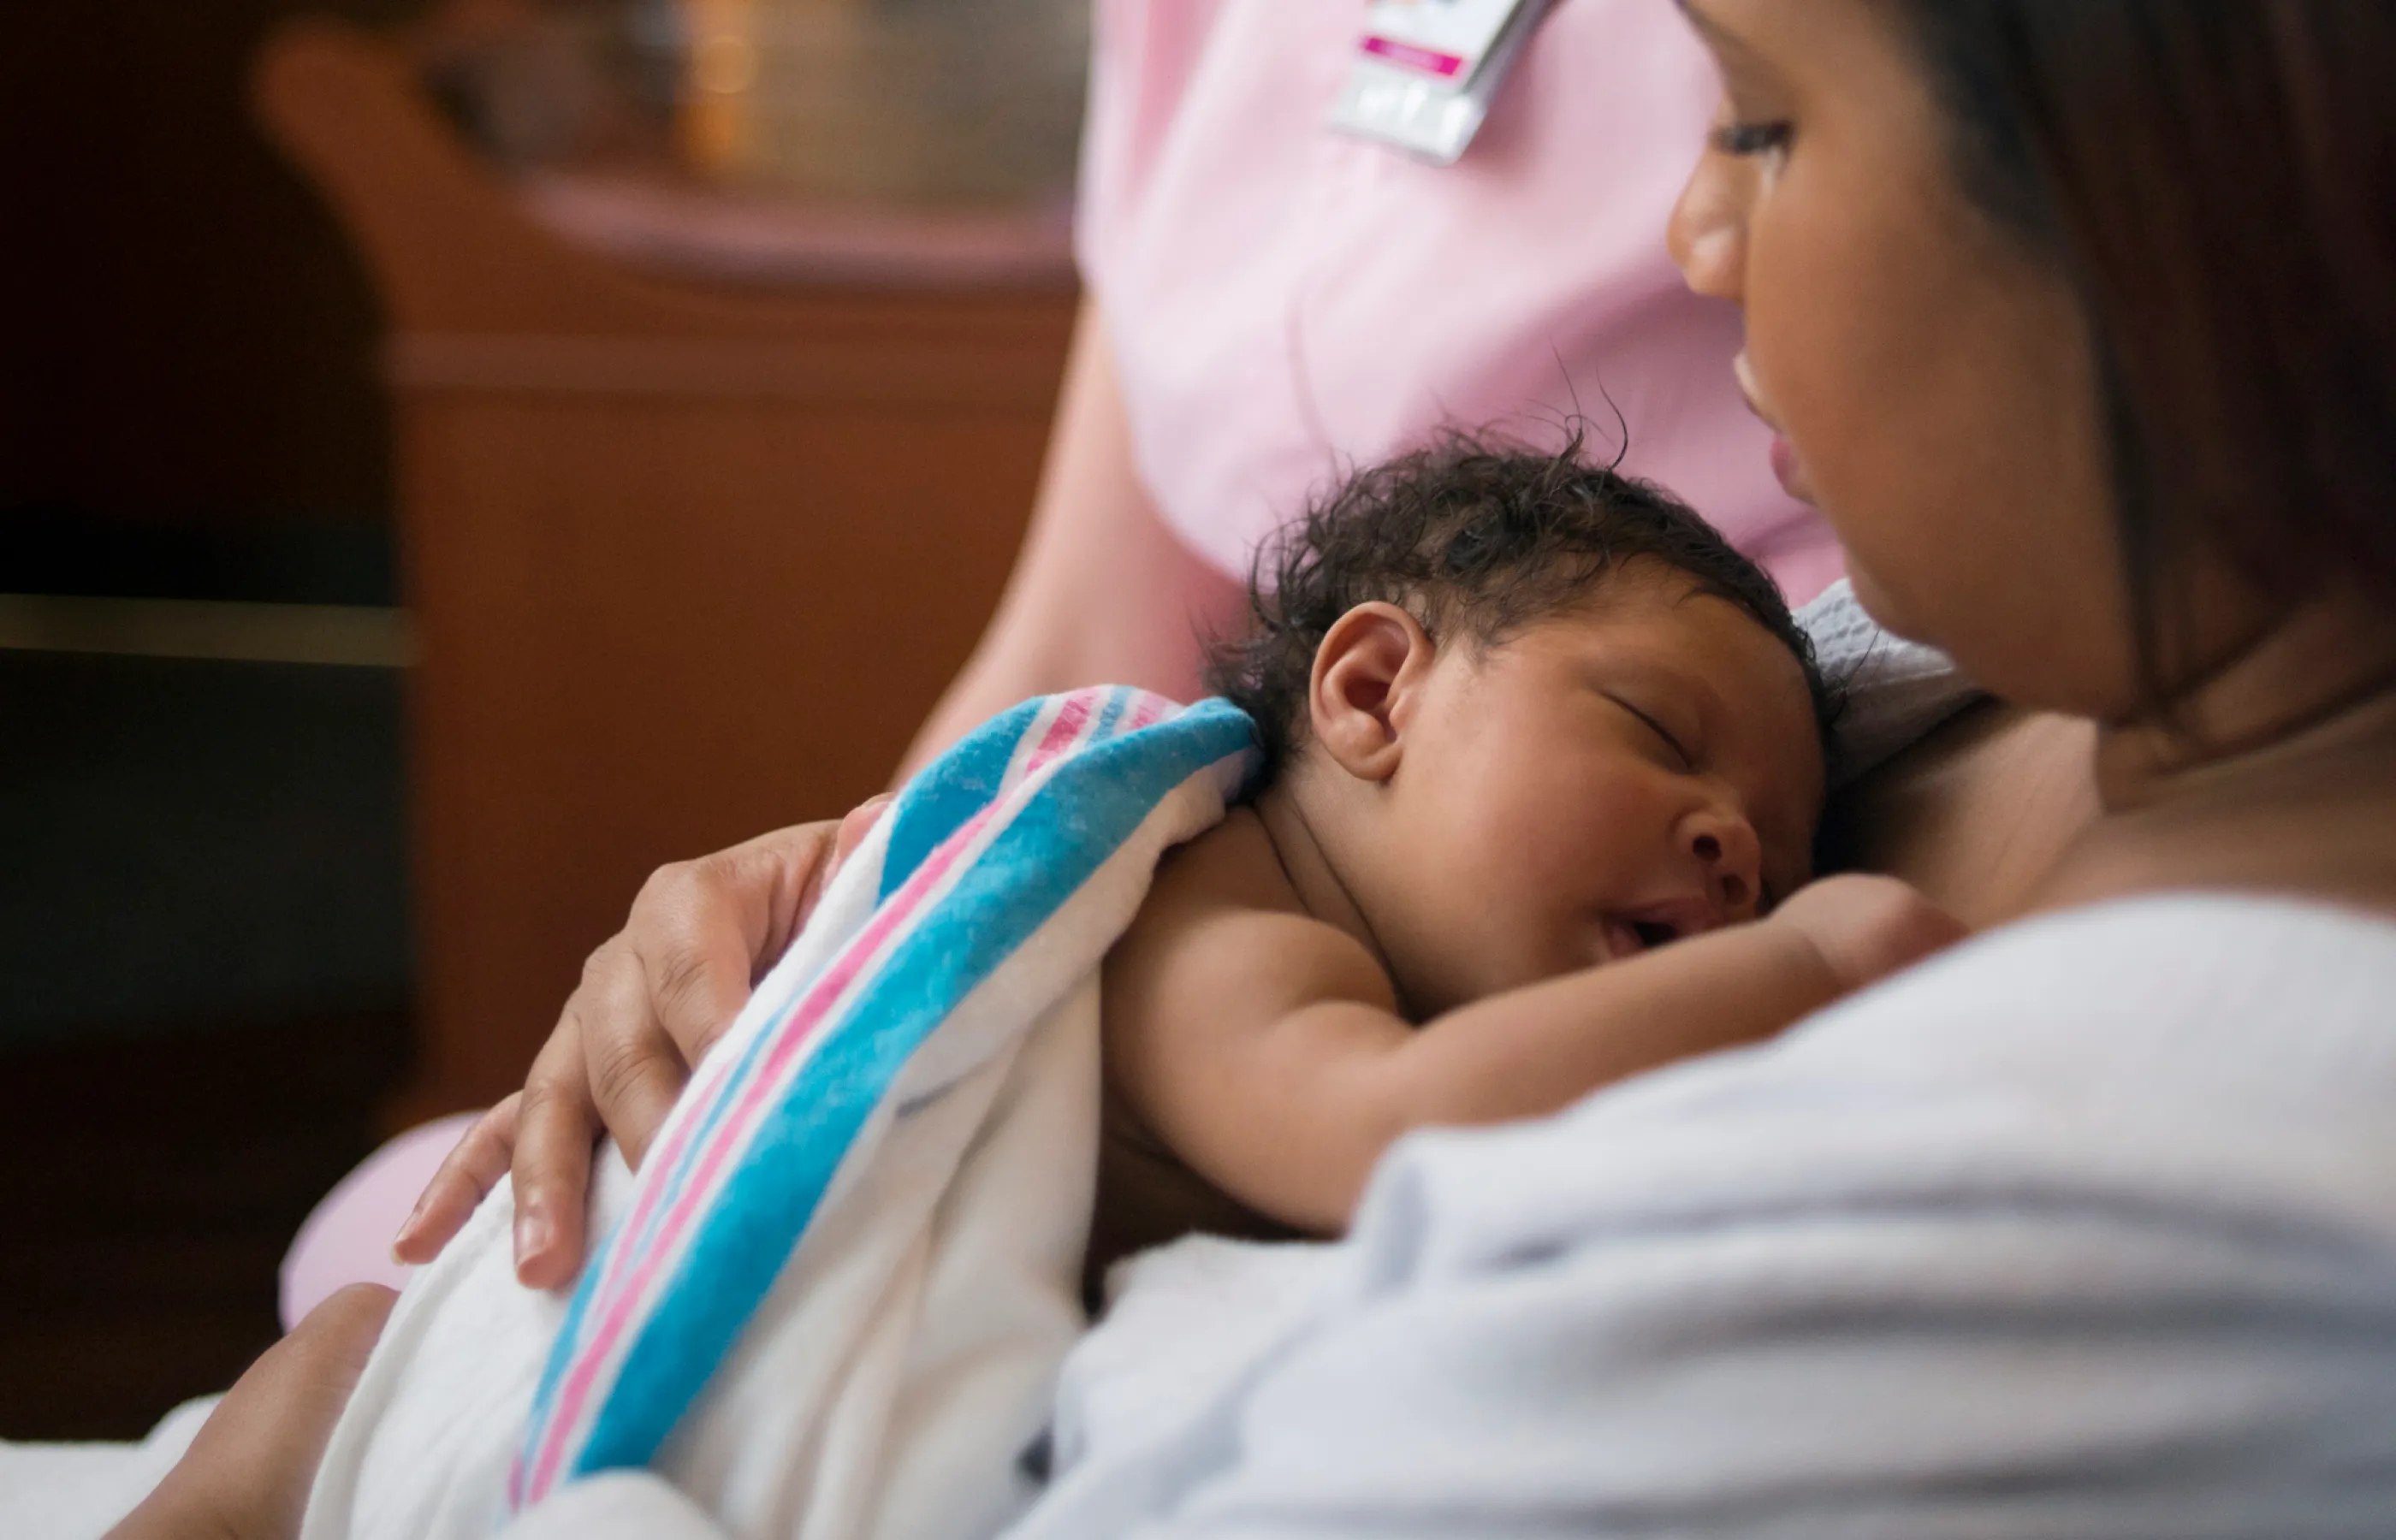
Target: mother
column 2078, row 321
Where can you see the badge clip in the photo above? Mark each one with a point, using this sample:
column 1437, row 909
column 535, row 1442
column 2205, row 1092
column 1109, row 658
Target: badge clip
column 1428, row 70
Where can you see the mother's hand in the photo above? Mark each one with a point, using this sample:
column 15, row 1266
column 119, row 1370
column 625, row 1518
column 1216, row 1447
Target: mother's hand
column 654, row 998
column 247, row 1474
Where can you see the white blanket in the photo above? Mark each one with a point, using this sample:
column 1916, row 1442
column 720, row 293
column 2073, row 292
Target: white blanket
column 79, row 1490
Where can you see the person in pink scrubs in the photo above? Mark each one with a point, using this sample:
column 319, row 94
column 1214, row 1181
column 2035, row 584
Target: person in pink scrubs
column 1281, row 299
column 1268, row 302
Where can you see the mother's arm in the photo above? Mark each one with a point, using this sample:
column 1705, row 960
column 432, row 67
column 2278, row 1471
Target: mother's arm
column 1103, row 592
column 247, row 1474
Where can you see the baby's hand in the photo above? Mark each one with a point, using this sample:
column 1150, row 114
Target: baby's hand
column 1866, row 927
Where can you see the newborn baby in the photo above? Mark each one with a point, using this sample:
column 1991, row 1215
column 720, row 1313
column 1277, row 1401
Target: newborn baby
column 1543, row 756
column 1544, row 760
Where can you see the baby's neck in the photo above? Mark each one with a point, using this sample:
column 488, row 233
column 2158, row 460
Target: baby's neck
column 1304, row 835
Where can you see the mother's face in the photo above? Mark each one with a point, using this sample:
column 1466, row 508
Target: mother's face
column 1929, row 375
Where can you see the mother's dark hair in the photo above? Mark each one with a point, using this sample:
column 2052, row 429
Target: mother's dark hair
column 2219, row 179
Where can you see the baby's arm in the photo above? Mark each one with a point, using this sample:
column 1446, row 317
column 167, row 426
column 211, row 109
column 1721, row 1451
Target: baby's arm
column 1264, row 1047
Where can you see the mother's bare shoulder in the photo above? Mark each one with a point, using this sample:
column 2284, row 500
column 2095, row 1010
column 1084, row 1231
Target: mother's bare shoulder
column 1976, row 814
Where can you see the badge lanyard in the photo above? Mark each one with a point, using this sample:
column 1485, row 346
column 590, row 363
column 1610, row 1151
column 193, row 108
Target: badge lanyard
column 1426, row 70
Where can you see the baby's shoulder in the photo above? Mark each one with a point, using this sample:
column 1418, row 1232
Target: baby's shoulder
column 1232, row 867
column 1223, row 921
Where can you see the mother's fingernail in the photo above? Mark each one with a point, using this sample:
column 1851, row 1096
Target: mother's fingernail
column 414, row 1217
column 534, row 1233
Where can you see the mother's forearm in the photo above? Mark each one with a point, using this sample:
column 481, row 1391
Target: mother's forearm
column 247, row 1474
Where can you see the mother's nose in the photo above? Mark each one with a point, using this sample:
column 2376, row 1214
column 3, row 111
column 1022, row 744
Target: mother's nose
column 1707, row 232
column 1727, row 850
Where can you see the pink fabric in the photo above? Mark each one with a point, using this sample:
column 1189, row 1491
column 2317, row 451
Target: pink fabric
column 1284, row 299
column 347, row 1236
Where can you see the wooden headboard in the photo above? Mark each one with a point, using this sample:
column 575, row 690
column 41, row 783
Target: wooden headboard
column 687, row 559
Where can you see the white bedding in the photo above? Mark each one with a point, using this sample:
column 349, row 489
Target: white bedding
column 78, row 1491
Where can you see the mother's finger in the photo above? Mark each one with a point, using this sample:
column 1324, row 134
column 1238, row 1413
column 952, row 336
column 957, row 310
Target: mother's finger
column 632, row 1069
column 465, row 1178
column 705, row 931
column 697, row 935
column 853, row 831
column 652, row 1001
column 556, row 1127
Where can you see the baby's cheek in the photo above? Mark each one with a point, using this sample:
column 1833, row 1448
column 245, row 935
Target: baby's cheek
column 1487, row 932
column 1507, row 888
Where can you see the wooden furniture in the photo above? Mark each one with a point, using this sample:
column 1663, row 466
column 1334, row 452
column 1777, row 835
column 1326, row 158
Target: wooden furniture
column 686, row 561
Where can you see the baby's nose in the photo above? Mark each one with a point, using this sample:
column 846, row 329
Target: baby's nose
column 1732, row 857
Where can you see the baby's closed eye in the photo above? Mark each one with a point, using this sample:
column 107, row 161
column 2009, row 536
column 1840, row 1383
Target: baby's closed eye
column 1675, row 743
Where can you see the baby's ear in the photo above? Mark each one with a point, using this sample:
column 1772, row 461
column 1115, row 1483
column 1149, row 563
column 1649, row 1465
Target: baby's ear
column 1372, row 662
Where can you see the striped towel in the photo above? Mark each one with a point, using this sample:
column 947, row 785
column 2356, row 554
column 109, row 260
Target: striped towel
column 833, row 1301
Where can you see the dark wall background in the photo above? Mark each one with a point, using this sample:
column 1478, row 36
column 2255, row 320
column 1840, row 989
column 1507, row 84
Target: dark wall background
column 204, row 955
column 187, row 404
column 188, row 409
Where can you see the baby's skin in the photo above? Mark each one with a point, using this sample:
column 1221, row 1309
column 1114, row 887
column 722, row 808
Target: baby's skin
column 1490, row 880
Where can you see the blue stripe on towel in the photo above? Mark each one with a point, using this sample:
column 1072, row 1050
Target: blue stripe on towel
column 1095, row 799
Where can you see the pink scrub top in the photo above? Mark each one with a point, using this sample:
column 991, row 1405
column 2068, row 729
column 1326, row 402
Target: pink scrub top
column 1284, row 299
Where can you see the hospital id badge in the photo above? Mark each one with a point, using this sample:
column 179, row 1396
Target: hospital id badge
column 1427, row 71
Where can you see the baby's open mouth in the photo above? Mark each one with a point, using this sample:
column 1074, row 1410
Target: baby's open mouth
column 1626, row 937
column 1660, row 925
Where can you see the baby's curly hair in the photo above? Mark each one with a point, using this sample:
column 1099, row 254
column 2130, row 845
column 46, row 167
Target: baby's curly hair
column 1477, row 536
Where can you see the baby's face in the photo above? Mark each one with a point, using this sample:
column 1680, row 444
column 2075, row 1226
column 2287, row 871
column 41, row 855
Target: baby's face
column 1607, row 781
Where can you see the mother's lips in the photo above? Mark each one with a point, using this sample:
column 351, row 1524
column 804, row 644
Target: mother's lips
column 1743, row 373
column 1791, row 473
column 1786, row 467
